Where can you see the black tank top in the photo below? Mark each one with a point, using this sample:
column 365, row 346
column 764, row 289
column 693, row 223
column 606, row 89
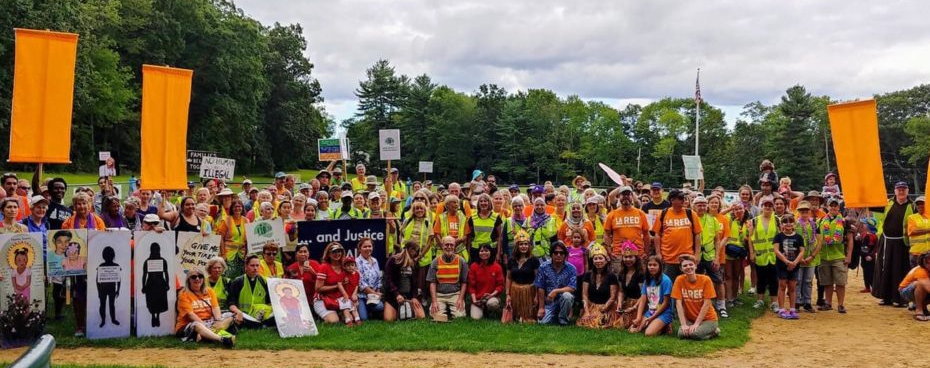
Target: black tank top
column 184, row 226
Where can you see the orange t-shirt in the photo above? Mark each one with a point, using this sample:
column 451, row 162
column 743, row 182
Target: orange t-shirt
column 563, row 232
column 725, row 221
column 528, row 210
column 625, row 225
column 201, row 305
column 916, row 273
column 693, row 294
column 677, row 238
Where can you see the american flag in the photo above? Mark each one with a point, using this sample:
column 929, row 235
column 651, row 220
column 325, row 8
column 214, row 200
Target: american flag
column 697, row 88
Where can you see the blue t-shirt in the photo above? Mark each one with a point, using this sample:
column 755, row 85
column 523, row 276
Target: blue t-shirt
column 656, row 293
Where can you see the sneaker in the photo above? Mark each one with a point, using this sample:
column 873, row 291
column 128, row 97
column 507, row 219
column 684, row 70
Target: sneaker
column 759, row 304
column 79, row 333
column 792, row 314
column 752, row 291
column 730, row 304
column 911, row 307
column 825, row 307
column 738, row 302
column 774, row 307
column 724, row 314
column 783, row 314
column 841, row 309
column 809, row 308
column 228, row 342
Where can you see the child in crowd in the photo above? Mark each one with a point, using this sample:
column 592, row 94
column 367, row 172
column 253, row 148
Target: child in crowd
column 830, row 188
column 578, row 251
column 348, row 304
column 789, row 251
column 784, row 186
column 867, row 242
column 654, row 313
column 767, row 169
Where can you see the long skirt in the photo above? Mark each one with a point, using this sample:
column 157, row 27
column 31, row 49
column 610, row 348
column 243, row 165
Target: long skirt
column 592, row 317
column 523, row 301
column 626, row 319
column 891, row 265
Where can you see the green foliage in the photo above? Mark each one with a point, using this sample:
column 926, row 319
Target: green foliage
column 253, row 96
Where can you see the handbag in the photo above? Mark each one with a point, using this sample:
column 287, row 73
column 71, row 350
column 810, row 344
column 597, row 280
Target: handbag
column 507, row 315
column 735, row 251
column 372, row 298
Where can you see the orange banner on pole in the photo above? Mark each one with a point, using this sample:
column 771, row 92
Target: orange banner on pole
column 166, row 97
column 43, row 95
column 927, row 191
column 854, row 127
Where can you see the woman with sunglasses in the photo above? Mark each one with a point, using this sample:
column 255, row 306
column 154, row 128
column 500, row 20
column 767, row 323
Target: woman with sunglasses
column 269, row 266
column 199, row 316
column 402, row 287
column 329, row 275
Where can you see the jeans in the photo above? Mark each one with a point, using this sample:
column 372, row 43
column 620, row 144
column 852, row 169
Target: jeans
column 805, row 278
column 560, row 307
column 364, row 308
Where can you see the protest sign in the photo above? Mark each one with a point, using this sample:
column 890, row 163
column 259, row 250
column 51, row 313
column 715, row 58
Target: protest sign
column 291, row 309
column 194, row 249
column 329, row 149
column 613, row 175
column 389, row 144
column 22, row 268
column 693, row 168
column 109, row 262
column 194, row 158
column 155, row 271
column 347, row 232
column 217, row 168
column 426, row 167
column 67, row 253
column 103, row 155
column 263, row 232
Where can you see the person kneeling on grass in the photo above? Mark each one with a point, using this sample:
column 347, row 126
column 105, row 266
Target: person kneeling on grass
column 694, row 294
column 447, row 279
column 485, row 283
column 199, row 313
column 654, row 314
column 916, row 287
column 248, row 297
column 555, row 285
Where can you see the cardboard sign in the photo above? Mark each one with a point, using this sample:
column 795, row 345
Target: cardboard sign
column 109, row 262
column 426, row 167
column 67, row 253
column 262, row 232
column 103, row 155
column 195, row 157
column 347, row 232
column 155, row 271
column 329, row 149
column 194, row 250
column 22, row 268
column 693, row 168
column 217, row 168
column 389, row 144
column 291, row 309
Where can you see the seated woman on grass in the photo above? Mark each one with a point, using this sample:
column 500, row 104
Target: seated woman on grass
column 401, row 285
column 199, row 315
column 694, row 295
column 654, row 313
column 915, row 287
column 485, row 283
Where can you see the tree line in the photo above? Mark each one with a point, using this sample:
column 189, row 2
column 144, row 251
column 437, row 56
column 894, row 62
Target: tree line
column 255, row 99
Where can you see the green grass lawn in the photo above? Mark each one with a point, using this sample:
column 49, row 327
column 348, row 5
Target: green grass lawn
column 461, row 335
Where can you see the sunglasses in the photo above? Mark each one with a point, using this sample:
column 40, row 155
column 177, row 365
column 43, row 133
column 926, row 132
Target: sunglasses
column 271, row 253
column 787, row 221
column 338, row 251
column 195, row 277
column 559, row 253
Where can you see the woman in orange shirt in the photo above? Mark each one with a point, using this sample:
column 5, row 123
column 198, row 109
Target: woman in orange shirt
column 199, row 312
column 83, row 218
column 575, row 218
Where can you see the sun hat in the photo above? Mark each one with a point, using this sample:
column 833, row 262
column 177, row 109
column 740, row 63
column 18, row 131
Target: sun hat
column 151, row 219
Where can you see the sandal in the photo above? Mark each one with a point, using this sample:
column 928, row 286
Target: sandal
column 841, row 309
column 921, row 318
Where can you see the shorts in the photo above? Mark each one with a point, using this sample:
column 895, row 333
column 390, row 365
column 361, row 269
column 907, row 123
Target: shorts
column 188, row 333
column 667, row 317
column 781, row 271
column 707, row 268
column 320, row 308
column 907, row 292
column 766, row 280
column 832, row 273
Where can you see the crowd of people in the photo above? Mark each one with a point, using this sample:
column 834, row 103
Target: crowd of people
column 634, row 257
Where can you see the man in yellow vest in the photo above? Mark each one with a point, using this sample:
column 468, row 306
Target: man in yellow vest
column 398, row 189
column 248, row 297
column 918, row 231
column 447, row 278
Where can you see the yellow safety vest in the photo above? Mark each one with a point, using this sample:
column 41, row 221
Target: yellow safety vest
column 762, row 241
column 482, row 229
column 920, row 243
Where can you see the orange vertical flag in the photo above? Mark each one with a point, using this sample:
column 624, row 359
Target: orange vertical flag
column 166, row 97
column 927, row 191
column 43, row 94
column 854, row 126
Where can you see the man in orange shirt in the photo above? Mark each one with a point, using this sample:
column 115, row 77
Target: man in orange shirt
column 678, row 231
column 625, row 223
column 693, row 294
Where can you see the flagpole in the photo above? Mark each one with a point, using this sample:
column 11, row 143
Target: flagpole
column 697, row 119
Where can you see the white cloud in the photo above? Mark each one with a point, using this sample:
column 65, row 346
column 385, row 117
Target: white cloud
column 616, row 50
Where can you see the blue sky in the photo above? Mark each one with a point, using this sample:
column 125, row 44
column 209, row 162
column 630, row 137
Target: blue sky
column 616, row 51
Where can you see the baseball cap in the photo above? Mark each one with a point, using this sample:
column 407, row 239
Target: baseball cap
column 337, row 171
column 374, row 195
column 900, row 184
column 537, row 189
column 656, row 185
column 674, row 194
column 322, row 173
column 303, row 186
column 393, row 170
column 698, row 199
column 919, row 199
column 279, row 175
column 348, row 259
column 247, row 182
column 225, row 192
column 36, row 199
column 514, row 187
column 395, row 199
column 346, row 193
column 626, row 188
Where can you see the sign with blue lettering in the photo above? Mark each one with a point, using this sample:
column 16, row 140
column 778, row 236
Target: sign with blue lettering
column 347, row 232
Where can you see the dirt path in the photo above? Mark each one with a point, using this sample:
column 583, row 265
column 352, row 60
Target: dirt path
column 868, row 336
